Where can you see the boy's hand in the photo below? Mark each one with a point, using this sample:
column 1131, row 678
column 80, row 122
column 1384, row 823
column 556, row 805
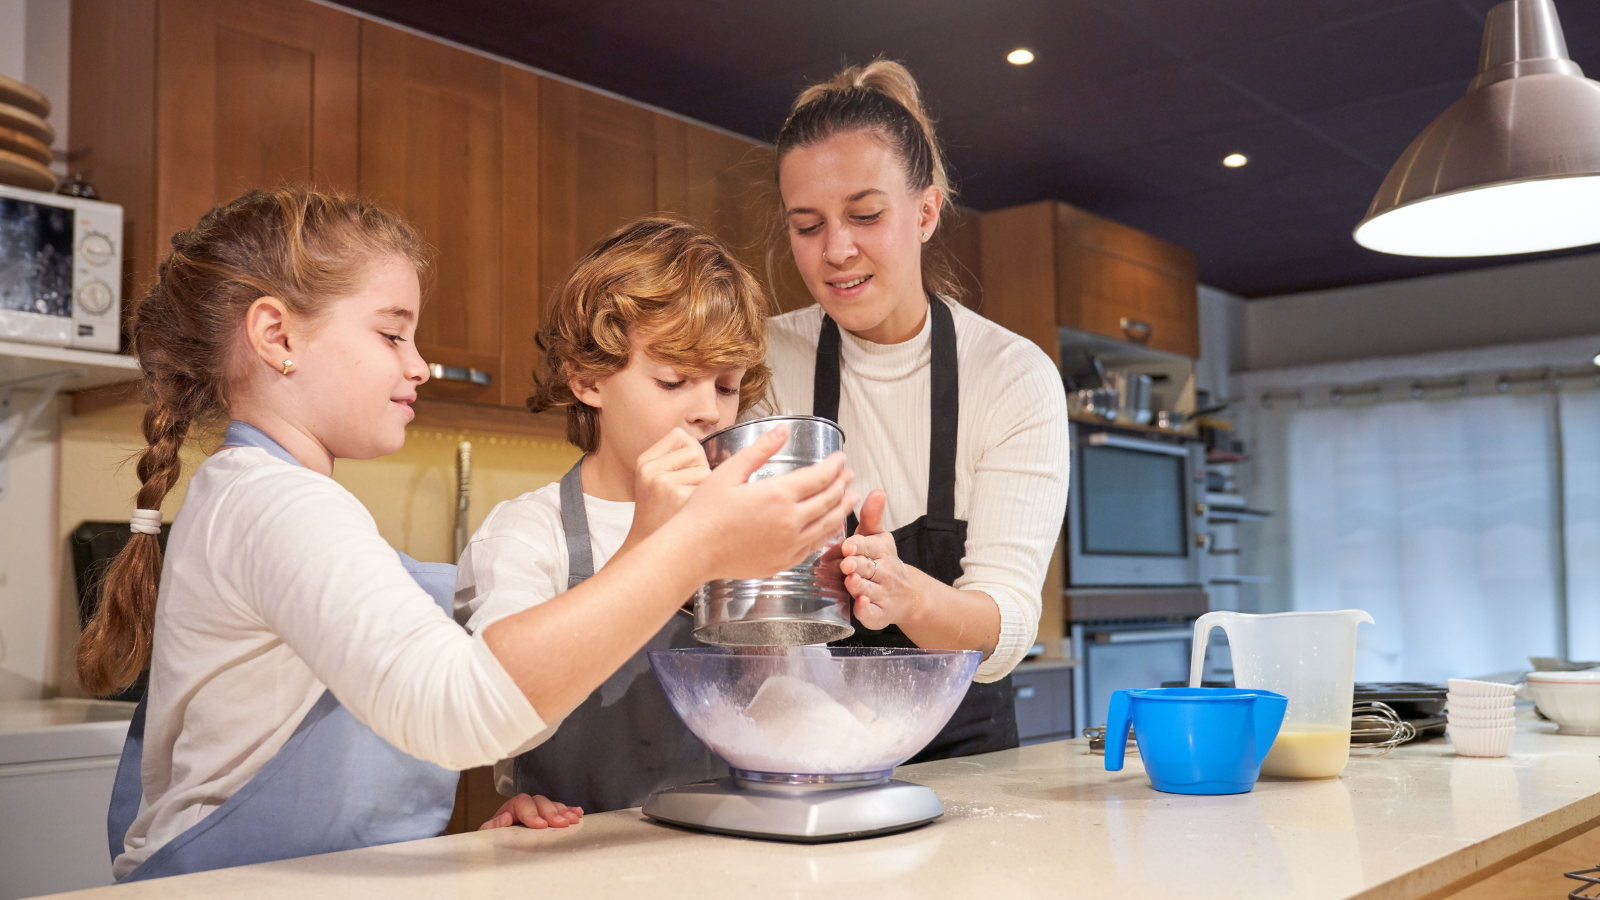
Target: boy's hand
column 744, row 529
column 536, row 811
column 664, row 477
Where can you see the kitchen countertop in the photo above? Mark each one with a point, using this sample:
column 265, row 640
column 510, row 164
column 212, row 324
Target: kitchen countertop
column 1044, row 820
column 52, row 730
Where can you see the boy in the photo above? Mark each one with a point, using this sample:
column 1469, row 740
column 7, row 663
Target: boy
column 659, row 328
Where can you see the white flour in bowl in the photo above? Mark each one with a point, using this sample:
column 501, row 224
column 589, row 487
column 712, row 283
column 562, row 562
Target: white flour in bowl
column 794, row 726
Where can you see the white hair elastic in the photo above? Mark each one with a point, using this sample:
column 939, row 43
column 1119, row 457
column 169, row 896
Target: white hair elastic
column 145, row 521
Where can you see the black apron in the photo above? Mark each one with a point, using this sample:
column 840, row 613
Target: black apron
column 624, row 742
column 986, row 720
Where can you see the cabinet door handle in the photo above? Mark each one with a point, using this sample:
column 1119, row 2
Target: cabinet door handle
column 1135, row 330
column 457, row 373
column 1025, row 692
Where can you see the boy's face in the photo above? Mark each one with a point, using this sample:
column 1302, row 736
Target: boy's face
column 642, row 403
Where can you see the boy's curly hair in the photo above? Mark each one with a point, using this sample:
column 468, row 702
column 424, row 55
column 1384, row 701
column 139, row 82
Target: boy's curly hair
column 702, row 309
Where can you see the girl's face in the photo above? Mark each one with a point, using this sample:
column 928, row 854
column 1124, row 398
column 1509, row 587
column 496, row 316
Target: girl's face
column 856, row 230
column 356, row 370
column 648, row 398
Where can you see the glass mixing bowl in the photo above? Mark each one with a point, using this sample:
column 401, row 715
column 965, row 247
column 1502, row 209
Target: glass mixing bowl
column 814, row 710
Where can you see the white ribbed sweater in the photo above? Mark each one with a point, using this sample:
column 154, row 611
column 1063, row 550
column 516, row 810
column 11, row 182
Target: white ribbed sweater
column 1011, row 448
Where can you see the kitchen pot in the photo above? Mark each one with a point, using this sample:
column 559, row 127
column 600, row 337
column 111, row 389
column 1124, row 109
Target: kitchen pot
column 1195, row 740
column 1133, row 397
column 807, row 604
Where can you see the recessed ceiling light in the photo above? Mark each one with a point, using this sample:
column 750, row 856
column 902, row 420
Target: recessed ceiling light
column 1597, row 359
column 1235, row 160
column 1019, row 57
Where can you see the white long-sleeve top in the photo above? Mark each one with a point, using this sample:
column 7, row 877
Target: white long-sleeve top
column 1012, row 452
column 277, row 586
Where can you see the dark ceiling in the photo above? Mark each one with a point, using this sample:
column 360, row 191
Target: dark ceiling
column 1127, row 111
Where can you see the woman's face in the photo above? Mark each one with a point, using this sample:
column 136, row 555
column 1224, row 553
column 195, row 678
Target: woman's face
column 856, row 230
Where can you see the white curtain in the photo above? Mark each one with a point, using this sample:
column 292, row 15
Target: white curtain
column 1437, row 517
column 1580, row 441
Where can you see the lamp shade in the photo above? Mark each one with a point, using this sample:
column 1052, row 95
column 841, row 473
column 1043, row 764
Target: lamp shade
column 1512, row 167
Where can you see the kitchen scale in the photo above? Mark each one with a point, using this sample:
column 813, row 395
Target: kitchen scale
column 807, row 809
column 799, row 691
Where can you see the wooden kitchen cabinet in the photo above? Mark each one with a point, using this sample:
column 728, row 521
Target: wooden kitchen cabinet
column 243, row 94
column 731, row 190
column 450, row 139
column 1049, row 265
column 602, row 162
column 222, row 131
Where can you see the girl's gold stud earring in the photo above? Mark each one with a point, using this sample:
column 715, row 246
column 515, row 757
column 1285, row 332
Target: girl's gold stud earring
column 286, row 364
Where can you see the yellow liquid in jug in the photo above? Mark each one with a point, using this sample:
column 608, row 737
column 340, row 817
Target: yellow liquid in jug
column 1308, row 754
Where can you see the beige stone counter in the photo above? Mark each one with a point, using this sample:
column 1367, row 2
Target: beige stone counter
column 1042, row 821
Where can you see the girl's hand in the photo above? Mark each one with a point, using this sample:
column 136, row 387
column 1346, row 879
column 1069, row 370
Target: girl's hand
column 664, row 477
column 536, row 811
column 886, row 590
column 744, row 529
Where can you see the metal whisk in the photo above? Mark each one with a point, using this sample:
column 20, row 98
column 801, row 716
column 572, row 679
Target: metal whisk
column 1375, row 727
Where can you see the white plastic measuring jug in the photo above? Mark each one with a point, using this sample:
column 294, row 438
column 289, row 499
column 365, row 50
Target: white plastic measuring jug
column 1309, row 657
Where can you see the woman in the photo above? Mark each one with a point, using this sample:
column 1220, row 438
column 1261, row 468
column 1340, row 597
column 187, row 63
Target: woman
column 308, row 691
column 959, row 425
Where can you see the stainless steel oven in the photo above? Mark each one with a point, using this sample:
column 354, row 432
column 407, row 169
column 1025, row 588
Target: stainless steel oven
column 1124, row 656
column 1125, row 639
column 1135, row 513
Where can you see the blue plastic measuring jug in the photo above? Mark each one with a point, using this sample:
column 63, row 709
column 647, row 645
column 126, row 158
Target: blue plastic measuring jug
column 1196, row 740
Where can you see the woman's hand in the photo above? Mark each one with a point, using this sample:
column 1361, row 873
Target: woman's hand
column 886, row 590
column 664, row 477
column 536, row 811
column 745, row 529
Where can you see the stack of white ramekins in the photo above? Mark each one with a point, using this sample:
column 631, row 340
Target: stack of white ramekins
column 1481, row 717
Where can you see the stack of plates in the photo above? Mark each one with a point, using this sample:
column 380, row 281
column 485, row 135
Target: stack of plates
column 25, row 137
column 1481, row 717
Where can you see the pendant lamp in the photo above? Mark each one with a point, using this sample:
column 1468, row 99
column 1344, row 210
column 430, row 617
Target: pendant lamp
column 1512, row 167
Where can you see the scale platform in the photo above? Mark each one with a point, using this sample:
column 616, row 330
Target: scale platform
column 808, row 809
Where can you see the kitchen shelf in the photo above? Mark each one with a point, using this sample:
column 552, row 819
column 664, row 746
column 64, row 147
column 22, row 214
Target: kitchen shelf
column 21, row 362
column 1133, row 427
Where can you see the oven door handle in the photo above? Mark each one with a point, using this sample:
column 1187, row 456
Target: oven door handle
column 1148, row 637
column 1102, row 439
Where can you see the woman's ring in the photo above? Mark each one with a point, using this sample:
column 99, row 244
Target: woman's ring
column 874, row 568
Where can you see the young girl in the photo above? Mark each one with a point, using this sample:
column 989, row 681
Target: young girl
column 307, row 693
column 959, row 424
column 658, row 329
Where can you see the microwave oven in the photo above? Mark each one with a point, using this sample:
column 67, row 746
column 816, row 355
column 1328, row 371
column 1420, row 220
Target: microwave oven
column 1135, row 511
column 60, row 270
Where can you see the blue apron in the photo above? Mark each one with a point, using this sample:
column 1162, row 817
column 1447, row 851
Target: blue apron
column 624, row 742
column 335, row 785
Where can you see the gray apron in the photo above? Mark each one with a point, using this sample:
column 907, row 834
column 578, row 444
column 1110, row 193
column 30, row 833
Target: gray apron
column 624, row 742
column 986, row 720
column 335, row 785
